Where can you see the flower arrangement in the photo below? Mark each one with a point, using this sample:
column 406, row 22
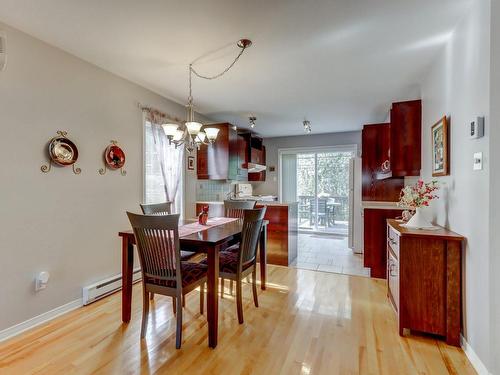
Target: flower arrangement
column 418, row 195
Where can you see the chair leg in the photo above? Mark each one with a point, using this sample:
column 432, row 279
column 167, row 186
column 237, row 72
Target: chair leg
column 145, row 313
column 183, row 301
column 221, row 287
column 239, row 301
column 151, row 296
column 178, row 331
column 174, row 307
column 254, row 287
column 202, row 297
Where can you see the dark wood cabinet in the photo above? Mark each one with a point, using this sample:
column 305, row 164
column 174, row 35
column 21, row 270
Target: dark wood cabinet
column 406, row 138
column 225, row 158
column 259, row 157
column 376, row 141
column 424, row 280
column 375, row 222
column 282, row 232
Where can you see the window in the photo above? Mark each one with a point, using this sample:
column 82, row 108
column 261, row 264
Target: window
column 154, row 182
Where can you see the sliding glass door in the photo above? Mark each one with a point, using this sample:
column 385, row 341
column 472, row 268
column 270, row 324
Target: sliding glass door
column 319, row 181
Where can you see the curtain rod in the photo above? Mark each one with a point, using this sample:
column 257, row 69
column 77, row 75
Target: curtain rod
column 160, row 113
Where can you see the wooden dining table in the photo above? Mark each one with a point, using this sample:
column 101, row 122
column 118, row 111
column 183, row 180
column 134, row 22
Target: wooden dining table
column 210, row 241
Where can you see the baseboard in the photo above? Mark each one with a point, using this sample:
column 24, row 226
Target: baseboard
column 473, row 358
column 40, row 319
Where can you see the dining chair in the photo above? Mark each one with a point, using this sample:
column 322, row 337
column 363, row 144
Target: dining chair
column 164, row 208
column 161, row 209
column 234, row 209
column 236, row 265
column 163, row 271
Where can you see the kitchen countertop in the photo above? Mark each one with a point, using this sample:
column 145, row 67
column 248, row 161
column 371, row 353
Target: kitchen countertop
column 264, row 203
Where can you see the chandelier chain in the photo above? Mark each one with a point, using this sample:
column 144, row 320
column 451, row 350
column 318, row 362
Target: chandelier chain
column 221, row 73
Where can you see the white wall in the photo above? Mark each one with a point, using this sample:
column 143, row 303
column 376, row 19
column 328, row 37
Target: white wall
column 270, row 186
column 60, row 222
column 494, row 130
column 457, row 85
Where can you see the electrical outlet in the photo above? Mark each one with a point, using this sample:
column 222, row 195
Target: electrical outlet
column 478, row 161
column 41, row 281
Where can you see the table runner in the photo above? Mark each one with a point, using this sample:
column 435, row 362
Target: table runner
column 187, row 229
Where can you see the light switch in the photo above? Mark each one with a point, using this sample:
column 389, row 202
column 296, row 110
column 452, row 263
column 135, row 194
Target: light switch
column 478, row 161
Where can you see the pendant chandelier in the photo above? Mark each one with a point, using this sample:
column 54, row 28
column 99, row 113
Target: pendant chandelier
column 193, row 134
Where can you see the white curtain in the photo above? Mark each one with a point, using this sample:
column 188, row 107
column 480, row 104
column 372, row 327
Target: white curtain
column 164, row 165
column 288, row 178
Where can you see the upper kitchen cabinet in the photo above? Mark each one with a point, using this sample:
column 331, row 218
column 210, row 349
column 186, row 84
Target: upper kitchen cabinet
column 225, row 158
column 406, row 138
column 376, row 141
column 255, row 157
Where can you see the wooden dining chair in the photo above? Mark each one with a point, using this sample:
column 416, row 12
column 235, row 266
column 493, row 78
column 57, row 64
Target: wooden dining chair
column 164, row 208
column 163, row 271
column 236, row 209
column 161, row 209
column 236, row 265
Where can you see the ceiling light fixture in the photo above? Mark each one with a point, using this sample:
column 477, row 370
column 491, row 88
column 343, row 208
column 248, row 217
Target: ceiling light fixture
column 252, row 120
column 192, row 135
column 307, row 126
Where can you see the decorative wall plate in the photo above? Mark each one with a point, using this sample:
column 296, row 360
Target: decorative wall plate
column 114, row 158
column 62, row 152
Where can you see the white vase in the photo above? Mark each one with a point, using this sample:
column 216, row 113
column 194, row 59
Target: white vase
column 418, row 221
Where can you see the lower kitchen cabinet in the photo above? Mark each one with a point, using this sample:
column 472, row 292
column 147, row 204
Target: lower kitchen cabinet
column 424, row 280
column 374, row 223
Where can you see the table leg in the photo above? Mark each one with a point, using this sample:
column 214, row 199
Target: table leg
column 127, row 266
column 263, row 257
column 213, row 295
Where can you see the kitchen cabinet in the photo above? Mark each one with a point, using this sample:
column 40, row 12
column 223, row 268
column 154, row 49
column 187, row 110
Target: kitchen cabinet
column 259, row 157
column 225, row 158
column 255, row 154
column 424, row 280
column 406, row 138
column 376, row 142
column 375, row 222
column 282, row 232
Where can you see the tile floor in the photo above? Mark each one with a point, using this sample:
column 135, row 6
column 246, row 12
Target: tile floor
column 328, row 253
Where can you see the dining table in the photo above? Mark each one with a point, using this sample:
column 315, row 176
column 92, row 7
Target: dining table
column 209, row 239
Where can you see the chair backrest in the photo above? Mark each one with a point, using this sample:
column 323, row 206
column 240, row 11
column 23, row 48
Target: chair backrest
column 236, row 209
column 252, row 225
column 157, row 239
column 322, row 205
column 157, row 208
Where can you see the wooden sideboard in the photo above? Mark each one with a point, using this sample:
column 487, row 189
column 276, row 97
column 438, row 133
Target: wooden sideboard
column 424, row 279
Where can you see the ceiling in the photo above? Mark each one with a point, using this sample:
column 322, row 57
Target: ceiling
column 338, row 63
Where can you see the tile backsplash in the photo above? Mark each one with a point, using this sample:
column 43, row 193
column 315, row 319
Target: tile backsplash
column 213, row 190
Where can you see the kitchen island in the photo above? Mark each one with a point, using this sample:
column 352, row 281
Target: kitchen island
column 282, row 229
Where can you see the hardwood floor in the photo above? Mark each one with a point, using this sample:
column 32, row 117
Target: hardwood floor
column 307, row 323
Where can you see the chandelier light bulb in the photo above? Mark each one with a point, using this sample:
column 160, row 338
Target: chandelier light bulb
column 211, row 133
column 193, row 128
column 170, row 129
column 178, row 136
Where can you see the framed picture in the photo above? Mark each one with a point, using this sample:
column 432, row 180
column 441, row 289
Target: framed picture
column 190, row 163
column 440, row 148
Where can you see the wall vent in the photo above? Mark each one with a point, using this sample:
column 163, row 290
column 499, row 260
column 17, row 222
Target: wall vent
column 106, row 287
